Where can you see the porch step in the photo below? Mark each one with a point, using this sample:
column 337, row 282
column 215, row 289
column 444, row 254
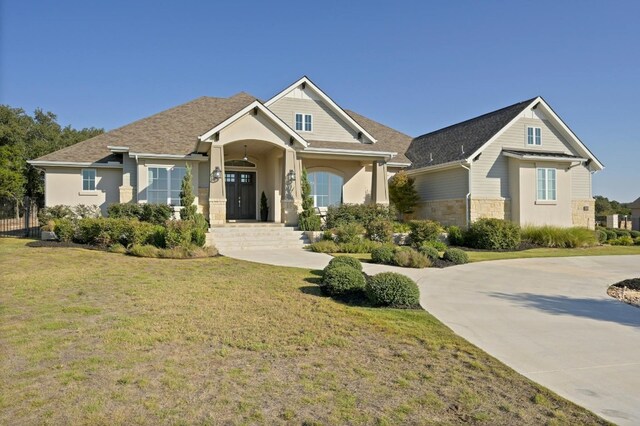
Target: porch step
column 258, row 236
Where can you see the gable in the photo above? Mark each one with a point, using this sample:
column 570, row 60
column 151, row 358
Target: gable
column 327, row 125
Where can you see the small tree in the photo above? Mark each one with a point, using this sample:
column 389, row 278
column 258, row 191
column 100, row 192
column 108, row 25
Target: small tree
column 402, row 193
column 189, row 210
column 308, row 220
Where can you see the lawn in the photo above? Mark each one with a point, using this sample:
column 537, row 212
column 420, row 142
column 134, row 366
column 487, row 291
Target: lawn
column 91, row 337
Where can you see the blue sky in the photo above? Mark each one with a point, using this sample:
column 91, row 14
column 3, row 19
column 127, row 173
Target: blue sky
column 414, row 65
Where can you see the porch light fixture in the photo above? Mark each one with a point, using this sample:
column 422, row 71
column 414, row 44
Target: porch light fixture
column 291, row 176
column 216, row 175
column 245, row 158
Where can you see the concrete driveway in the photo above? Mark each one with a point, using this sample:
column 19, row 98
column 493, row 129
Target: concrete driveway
column 551, row 320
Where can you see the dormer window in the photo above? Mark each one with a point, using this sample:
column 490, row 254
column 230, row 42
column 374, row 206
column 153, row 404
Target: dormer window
column 534, row 136
column 304, row 122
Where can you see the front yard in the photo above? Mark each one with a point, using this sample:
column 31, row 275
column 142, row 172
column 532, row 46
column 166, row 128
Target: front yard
column 100, row 338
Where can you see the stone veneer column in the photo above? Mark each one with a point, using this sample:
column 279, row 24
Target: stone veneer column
column 291, row 202
column 217, row 192
column 126, row 194
column 582, row 217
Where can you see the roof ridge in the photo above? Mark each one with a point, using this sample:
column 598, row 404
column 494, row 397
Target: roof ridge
column 476, row 118
column 350, row 112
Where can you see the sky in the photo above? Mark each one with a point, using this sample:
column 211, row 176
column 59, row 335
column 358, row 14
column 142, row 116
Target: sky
column 415, row 66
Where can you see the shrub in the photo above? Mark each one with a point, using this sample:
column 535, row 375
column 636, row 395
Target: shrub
column 555, row 236
column 324, row 246
column 82, row 211
column 622, row 241
column 611, row 235
column 431, row 252
column 602, row 236
column 410, row 258
column 342, row 279
column 424, row 230
column 64, row 229
column 117, row 248
column 359, row 213
column 383, row 254
column 455, row 236
column 153, row 213
column 636, row 242
column 402, row 192
column 622, row 233
column 493, row 234
column 362, row 246
column 634, row 234
column 456, row 256
column 349, row 232
column 327, row 235
column 393, row 289
column 438, row 245
column 346, row 260
column 178, row 233
column 198, row 237
column 125, row 210
column 308, row 220
column 54, row 212
column 380, row 230
column 401, row 228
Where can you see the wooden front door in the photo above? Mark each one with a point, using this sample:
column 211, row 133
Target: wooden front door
column 241, row 195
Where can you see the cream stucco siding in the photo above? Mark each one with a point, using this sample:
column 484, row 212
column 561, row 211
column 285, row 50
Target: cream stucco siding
column 443, row 185
column 327, row 126
column 64, row 186
column 356, row 175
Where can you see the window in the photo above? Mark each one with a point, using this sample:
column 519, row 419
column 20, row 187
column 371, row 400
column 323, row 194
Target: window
column 534, row 136
column 546, row 184
column 164, row 185
column 304, row 122
column 326, row 189
column 88, row 179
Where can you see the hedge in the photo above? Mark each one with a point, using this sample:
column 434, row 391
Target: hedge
column 493, row 234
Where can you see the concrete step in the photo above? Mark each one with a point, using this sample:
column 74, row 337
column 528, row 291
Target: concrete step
column 252, row 236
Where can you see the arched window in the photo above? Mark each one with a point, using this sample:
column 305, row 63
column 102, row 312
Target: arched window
column 326, row 189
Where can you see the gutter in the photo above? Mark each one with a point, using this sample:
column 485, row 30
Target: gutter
column 335, row 151
column 468, row 197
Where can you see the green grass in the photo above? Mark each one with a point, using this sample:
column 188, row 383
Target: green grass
column 91, row 337
column 481, row 256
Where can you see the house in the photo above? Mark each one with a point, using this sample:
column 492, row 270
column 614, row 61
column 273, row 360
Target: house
column 520, row 163
column 635, row 214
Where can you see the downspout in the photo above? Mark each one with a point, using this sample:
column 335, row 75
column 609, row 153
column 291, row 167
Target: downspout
column 468, row 197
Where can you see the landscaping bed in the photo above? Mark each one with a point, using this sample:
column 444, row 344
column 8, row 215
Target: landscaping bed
column 86, row 340
column 627, row 291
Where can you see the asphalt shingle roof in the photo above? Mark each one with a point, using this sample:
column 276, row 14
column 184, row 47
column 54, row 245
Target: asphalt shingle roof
column 541, row 153
column 446, row 145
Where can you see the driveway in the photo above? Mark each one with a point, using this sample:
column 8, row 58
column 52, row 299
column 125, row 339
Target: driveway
column 552, row 321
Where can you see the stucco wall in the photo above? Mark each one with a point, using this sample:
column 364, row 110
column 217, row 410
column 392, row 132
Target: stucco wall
column 356, row 175
column 64, row 186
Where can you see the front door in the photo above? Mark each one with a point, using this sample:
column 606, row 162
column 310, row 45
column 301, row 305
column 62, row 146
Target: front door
column 241, row 195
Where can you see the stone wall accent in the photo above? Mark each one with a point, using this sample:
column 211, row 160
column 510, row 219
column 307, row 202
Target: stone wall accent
column 203, row 203
column 289, row 211
column 217, row 211
column 497, row 208
column 447, row 212
column 580, row 217
column 126, row 194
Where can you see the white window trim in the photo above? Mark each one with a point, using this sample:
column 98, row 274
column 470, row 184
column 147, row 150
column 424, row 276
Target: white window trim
column 95, row 182
column 169, row 189
column 315, row 195
column 526, row 136
column 547, row 200
column 304, row 117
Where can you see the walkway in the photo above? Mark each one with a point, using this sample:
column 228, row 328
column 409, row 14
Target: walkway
column 549, row 319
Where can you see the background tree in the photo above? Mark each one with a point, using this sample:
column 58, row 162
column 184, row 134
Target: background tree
column 604, row 206
column 23, row 138
column 308, row 220
column 402, row 193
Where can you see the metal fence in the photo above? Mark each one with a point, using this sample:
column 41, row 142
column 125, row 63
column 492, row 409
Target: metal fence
column 19, row 219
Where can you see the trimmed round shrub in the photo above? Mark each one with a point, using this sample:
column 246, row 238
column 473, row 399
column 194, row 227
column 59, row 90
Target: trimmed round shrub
column 457, row 256
column 410, row 258
column 493, row 234
column 342, row 279
column 611, row 235
column 601, row 235
column 383, row 254
column 424, row 230
column 455, row 236
column 622, row 233
column 346, row 260
column 431, row 252
column 634, row 234
column 324, row 246
column 380, row 230
column 393, row 289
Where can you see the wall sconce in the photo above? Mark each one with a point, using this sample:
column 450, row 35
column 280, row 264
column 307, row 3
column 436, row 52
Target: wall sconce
column 291, row 176
column 216, row 175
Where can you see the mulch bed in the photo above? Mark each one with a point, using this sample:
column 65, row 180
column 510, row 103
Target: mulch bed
column 627, row 291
